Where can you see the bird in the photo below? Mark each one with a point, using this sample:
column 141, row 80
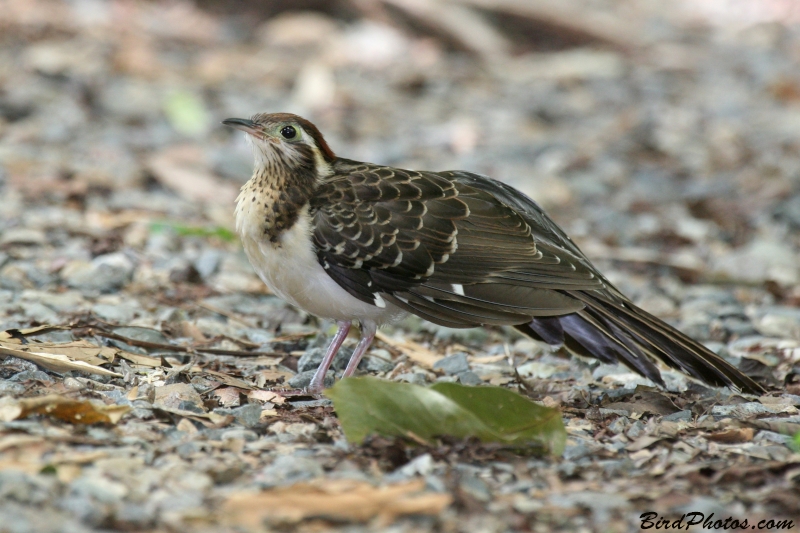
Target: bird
column 365, row 243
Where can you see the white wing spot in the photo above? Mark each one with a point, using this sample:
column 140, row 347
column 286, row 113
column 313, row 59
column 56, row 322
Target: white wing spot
column 379, row 301
column 398, row 260
column 458, row 289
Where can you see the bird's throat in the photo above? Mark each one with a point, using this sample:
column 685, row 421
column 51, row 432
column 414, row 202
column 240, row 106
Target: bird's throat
column 270, row 203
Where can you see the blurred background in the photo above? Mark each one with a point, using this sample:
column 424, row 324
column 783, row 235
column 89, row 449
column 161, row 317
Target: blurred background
column 663, row 136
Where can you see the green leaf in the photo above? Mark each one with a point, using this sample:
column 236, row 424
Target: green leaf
column 187, row 113
column 492, row 414
column 219, row 232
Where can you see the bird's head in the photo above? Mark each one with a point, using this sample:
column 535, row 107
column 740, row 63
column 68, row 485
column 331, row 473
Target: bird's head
column 283, row 141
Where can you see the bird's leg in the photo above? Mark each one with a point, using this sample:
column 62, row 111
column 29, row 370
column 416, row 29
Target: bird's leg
column 318, row 381
column 368, row 329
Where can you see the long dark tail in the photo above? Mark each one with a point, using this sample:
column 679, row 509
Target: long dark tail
column 614, row 331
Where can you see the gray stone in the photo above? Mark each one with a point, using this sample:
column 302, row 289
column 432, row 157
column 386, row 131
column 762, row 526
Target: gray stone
column 305, row 404
column 38, row 312
column 28, row 236
column 247, row 415
column 573, row 452
column 415, row 378
column 67, row 301
column 618, row 425
column 475, row 487
column 470, row 378
column 453, row 364
column 303, row 379
column 738, row 326
column 31, row 375
column 419, row 466
column 289, row 469
column 8, row 387
column 21, row 487
column 17, row 518
column 312, row 358
column 377, row 364
column 135, row 514
column 239, row 434
column 19, row 275
column 744, row 410
column 57, row 335
column 680, row 415
column 635, row 430
column 596, row 501
column 99, row 488
column 760, row 260
column 106, row 273
column 141, row 334
column 208, row 262
column 115, row 314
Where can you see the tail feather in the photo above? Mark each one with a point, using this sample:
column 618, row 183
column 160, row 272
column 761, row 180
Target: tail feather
column 618, row 331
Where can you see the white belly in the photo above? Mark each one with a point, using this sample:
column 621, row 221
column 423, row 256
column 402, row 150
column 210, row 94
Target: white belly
column 291, row 271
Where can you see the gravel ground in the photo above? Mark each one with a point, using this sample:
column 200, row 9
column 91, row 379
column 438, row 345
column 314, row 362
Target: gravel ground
column 669, row 149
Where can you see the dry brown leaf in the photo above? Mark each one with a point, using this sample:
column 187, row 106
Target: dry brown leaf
column 643, row 401
column 141, row 360
column 415, row 351
column 109, row 220
column 209, row 420
column 80, row 350
column 186, row 426
column 57, row 362
column 225, row 379
column 642, row 442
column 272, row 375
column 14, row 441
column 732, row 436
column 180, row 397
column 266, row 396
column 28, row 457
column 341, row 500
column 184, row 328
column 228, row 396
column 67, row 409
column 11, row 335
column 185, row 170
column 133, row 393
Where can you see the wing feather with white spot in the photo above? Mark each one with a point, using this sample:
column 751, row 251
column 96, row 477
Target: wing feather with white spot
column 443, row 249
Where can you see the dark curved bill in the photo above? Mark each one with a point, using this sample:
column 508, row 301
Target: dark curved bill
column 243, row 124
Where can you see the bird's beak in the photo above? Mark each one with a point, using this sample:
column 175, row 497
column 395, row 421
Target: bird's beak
column 246, row 125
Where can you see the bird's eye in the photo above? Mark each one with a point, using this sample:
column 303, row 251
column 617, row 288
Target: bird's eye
column 289, row 132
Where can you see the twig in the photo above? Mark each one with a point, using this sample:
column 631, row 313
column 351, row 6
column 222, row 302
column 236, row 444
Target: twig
column 414, row 351
column 458, row 22
column 230, row 315
column 183, row 349
column 567, row 15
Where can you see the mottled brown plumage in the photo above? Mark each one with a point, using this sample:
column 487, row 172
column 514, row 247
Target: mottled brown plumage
column 458, row 249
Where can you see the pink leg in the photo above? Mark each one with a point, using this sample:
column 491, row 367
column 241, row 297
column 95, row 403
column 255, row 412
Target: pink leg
column 318, row 381
column 368, row 329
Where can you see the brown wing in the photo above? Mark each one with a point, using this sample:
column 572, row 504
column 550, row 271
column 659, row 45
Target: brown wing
column 443, row 249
